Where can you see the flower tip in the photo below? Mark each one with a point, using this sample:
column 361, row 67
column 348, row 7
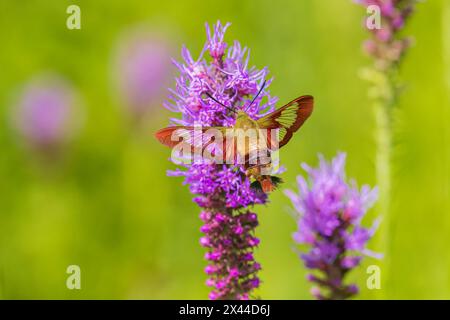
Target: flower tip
column 353, row 289
column 315, row 292
column 310, row 277
column 213, row 295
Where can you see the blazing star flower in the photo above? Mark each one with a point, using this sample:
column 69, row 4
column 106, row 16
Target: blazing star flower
column 223, row 191
column 142, row 69
column 385, row 46
column 330, row 211
column 45, row 113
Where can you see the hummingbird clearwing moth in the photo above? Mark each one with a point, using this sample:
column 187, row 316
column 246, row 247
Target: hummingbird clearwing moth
column 285, row 121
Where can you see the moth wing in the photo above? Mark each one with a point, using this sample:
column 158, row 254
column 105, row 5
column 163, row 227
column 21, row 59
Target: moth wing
column 289, row 118
column 199, row 139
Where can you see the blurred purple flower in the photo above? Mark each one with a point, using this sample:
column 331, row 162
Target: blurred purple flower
column 385, row 46
column 329, row 221
column 223, row 191
column 142, row 70
column 46, row 114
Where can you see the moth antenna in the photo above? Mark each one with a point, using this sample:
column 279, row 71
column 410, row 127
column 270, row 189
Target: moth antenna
column 260, row 90
column 228, row 108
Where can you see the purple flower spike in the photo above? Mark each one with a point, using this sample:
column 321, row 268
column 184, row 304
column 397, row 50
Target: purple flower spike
column 46, row 115
column 223, row 191
column 385, row 46
column 216, row 46
column 330, row 211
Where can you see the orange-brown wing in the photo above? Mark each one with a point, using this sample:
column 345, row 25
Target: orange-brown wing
column 200, row 138
column 171, row 136
column 289, row 118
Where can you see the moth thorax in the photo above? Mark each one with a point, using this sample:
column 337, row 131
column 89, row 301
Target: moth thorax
column 246, row 123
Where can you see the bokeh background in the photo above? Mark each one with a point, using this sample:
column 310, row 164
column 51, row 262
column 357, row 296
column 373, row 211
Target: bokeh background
column 103, row 201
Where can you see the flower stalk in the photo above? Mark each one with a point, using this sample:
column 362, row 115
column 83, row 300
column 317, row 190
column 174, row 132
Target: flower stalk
column 206, row 93
column 387, row 48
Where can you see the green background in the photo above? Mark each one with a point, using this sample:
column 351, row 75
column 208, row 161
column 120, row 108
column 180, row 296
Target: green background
column 109, row 206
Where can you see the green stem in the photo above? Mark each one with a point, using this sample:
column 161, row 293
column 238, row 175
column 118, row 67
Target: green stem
column 383, row 156
column 384, row 106
column 383, row 176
